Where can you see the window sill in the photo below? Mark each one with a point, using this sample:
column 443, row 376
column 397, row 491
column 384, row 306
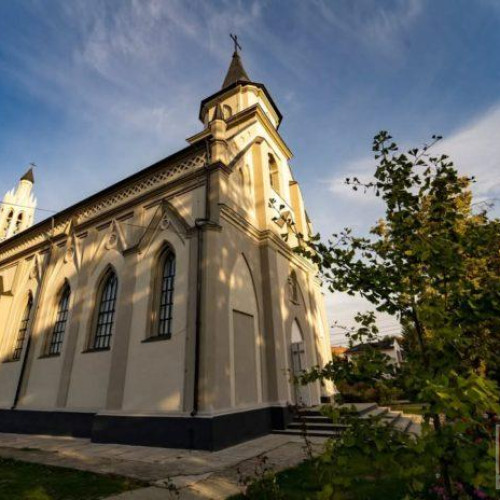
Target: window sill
column 156, row 338
column 95, row 349
column 53, row 355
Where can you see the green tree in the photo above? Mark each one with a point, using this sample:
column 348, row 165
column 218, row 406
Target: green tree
column 434, row 262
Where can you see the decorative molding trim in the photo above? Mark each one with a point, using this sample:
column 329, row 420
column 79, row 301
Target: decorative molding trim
column 139, row 187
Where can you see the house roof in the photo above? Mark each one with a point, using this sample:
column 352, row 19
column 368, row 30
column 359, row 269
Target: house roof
column 383, row 344
column 338, row 350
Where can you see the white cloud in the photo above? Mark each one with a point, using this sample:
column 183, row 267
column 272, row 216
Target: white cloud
column 475, row 150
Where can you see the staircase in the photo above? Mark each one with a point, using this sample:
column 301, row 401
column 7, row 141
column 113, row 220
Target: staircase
column 310, row 421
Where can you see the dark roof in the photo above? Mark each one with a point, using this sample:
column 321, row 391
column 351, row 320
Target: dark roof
column 236, row 72
column 385, row 343
column 236, row 75
column 28, row 176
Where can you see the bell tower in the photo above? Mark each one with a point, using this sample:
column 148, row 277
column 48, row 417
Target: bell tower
column 17, row 210
column 239, row 93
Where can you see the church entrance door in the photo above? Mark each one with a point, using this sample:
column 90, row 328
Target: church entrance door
column 299, row 363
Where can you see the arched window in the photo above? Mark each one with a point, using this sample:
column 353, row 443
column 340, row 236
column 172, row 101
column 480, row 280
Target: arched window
column 227, row 111
column 165, row 295
column 57, row 337
column 23, row 330
column 8, row 220
column 19, row 222
column 294, row 287
column 106, row 311
column 274, row 178
column 241, row 178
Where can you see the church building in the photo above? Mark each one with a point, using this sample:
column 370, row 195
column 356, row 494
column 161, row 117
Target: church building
column 167, row 309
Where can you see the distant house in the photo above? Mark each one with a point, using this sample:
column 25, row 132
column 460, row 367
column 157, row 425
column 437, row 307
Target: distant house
column 338, row 350
column 387, row 345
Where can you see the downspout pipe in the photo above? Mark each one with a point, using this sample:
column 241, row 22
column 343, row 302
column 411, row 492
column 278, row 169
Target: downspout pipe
column 200, row 224
column 34, row 310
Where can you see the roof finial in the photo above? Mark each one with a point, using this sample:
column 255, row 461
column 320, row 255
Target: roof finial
column 236, row 44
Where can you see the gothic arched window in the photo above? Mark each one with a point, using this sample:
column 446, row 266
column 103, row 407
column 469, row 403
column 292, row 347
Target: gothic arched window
column 164, row 289
column 19, row 222
column 241, row 178
column 57, row 337
column 8, row 220
column 294, row 287
column 227, row 111
column 23, row 330
column 106, row 311
column 274, row 178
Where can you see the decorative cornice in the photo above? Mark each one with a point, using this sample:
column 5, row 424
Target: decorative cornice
column 265, row 237
column 253, row 112
column 106, row 201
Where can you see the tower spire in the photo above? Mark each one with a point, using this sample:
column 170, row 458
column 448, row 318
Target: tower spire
column 29, row 176
column 17, row 209
column 236, row 71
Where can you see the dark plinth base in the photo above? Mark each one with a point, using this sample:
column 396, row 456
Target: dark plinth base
column 59, row 423
column 202, row 433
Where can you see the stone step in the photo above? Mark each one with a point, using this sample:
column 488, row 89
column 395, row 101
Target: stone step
column 310, row 412
column 362, row 408
column 403, row 424
column 380, row 411
column 316, row 426
column 312, row 418
column 391, row 416
column 313, row 423
column 414, row 428
column 294, row 432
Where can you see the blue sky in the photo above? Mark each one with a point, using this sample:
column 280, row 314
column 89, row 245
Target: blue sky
column 93, row 90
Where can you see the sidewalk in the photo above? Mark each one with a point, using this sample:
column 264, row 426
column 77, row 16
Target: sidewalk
column 193, row 474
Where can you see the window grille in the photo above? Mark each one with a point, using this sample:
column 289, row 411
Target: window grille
column 106, row 313
column 164, row 326
column 23, row 330
column 61, row 320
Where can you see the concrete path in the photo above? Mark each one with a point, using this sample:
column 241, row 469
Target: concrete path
column 172, row 473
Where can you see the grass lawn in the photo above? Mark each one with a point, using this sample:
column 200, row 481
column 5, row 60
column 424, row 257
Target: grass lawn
column 29, row 481
column 305, row 480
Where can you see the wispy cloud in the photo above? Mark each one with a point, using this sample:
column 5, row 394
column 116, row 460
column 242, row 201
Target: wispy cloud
column 474, row 149
column 373, row 24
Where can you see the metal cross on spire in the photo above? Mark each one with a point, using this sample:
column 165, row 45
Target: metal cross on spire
column 236, row 44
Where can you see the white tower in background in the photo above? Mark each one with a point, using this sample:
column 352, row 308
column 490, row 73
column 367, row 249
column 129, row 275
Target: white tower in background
column 18, row 207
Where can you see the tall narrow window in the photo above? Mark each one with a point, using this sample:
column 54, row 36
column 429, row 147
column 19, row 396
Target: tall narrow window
column 294, row 287
column 23, row 330
column 57, row 337
column 8, row 220
column 274, row 178
column 19, row 222
column 106, row 312
column 166, row 302
column 241, row 179
column 227, row 111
